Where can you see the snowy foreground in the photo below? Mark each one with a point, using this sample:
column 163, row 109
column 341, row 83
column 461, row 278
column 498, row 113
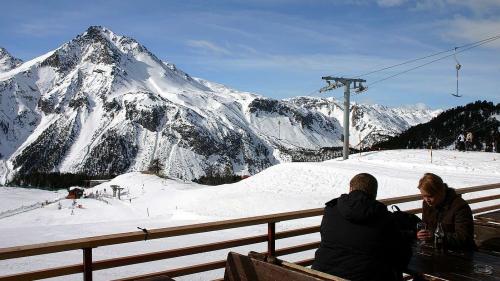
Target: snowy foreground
column 153, row 202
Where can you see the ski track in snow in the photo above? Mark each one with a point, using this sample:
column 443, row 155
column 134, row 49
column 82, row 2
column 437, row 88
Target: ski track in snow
column 280, row 188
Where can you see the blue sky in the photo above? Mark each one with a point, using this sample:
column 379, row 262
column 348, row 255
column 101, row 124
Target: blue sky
column 281, row 48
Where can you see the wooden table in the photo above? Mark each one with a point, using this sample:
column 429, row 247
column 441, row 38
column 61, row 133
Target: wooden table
column 487, row 231
column 429, row 265
column 493, row 217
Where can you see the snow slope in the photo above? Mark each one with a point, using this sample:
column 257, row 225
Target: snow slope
column 153, row 202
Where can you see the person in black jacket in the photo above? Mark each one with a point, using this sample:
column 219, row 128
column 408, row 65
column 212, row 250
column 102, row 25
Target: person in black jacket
column 359, row 237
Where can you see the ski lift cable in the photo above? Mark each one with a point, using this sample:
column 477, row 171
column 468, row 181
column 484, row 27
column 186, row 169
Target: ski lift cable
column 403, row 63
column 487, row 40
column 315, row 92
column 435, row 60
column 456, row 60
column 464, row 47
column 457, row 67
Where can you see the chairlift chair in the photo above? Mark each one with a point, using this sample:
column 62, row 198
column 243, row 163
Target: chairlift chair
column 361, row 89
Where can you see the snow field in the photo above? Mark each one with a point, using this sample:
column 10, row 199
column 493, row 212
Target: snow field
column 169, row 202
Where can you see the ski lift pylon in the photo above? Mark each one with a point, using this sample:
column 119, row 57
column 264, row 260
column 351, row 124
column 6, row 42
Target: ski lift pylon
column 457, row 67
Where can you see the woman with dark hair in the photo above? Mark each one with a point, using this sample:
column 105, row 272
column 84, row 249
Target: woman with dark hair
column 442, row 204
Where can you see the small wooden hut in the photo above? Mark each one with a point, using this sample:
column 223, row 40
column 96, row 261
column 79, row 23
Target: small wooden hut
column 75, row 192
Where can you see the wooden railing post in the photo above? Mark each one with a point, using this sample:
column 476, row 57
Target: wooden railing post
column 271, row 238
column 87, row 264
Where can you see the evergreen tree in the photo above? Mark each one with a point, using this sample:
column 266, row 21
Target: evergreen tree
column 155, row 167
column 443, row 130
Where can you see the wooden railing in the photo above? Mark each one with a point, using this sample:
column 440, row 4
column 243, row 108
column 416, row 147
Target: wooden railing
column 87, row 244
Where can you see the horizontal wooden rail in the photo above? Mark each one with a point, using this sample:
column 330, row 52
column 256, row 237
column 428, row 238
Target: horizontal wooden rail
column 306, row 262
column 160, row 255
column 297, row 249
column 401, row 199
column 486, row 209
column 221, row 264
column 181, row 271
column 168, row 254
column 112, row 239
column 198, row 249
column 106, row 240
column 44, row 273
column 414, row 211
column 482, row 199
column 297, row 232
column 477, row 188
column 410, row 198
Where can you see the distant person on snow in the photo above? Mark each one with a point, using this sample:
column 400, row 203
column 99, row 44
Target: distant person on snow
column 468, row 141
column 494, row 142
column 359, row 237
column 461, row 142
column 442, row 204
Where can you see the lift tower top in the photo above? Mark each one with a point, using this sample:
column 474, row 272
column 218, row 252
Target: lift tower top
column 346, row 82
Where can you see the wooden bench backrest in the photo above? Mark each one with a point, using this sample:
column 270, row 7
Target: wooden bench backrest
column 245, row 268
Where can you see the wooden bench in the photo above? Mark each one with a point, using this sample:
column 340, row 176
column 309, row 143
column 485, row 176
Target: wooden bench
column 487, row 236
column 259, row 267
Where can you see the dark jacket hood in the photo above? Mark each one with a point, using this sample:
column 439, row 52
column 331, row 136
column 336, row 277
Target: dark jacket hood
column 357, row 206
column 451, row 194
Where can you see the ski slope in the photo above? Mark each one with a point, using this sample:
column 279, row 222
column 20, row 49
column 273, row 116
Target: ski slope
column 153, row 202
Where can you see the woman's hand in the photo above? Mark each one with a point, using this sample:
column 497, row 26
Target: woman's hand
column 424, row 235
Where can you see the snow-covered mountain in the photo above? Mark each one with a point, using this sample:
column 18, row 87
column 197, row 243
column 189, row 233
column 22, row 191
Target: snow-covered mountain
column 7, row 61
column 103, row 104
column 369, row 123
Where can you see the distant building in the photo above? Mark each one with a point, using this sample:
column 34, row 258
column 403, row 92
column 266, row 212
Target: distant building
column 92, row 183
column 74, row 192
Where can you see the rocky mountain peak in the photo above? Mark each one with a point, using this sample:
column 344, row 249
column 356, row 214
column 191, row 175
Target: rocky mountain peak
column 3, row 52
column 106, row 37
column 92, row 46
column 7, row 61
column 98, row 29
column 96, row 34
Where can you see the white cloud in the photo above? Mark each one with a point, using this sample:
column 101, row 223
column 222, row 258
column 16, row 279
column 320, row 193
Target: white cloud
column 478, row 7
column 430, row 4
column 390, row 3
column 209, row 46
column 471, row 30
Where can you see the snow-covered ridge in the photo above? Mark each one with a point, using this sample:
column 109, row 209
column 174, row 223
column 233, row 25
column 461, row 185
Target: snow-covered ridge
column 369, row 123
column 103, row 104
column 7, row 61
